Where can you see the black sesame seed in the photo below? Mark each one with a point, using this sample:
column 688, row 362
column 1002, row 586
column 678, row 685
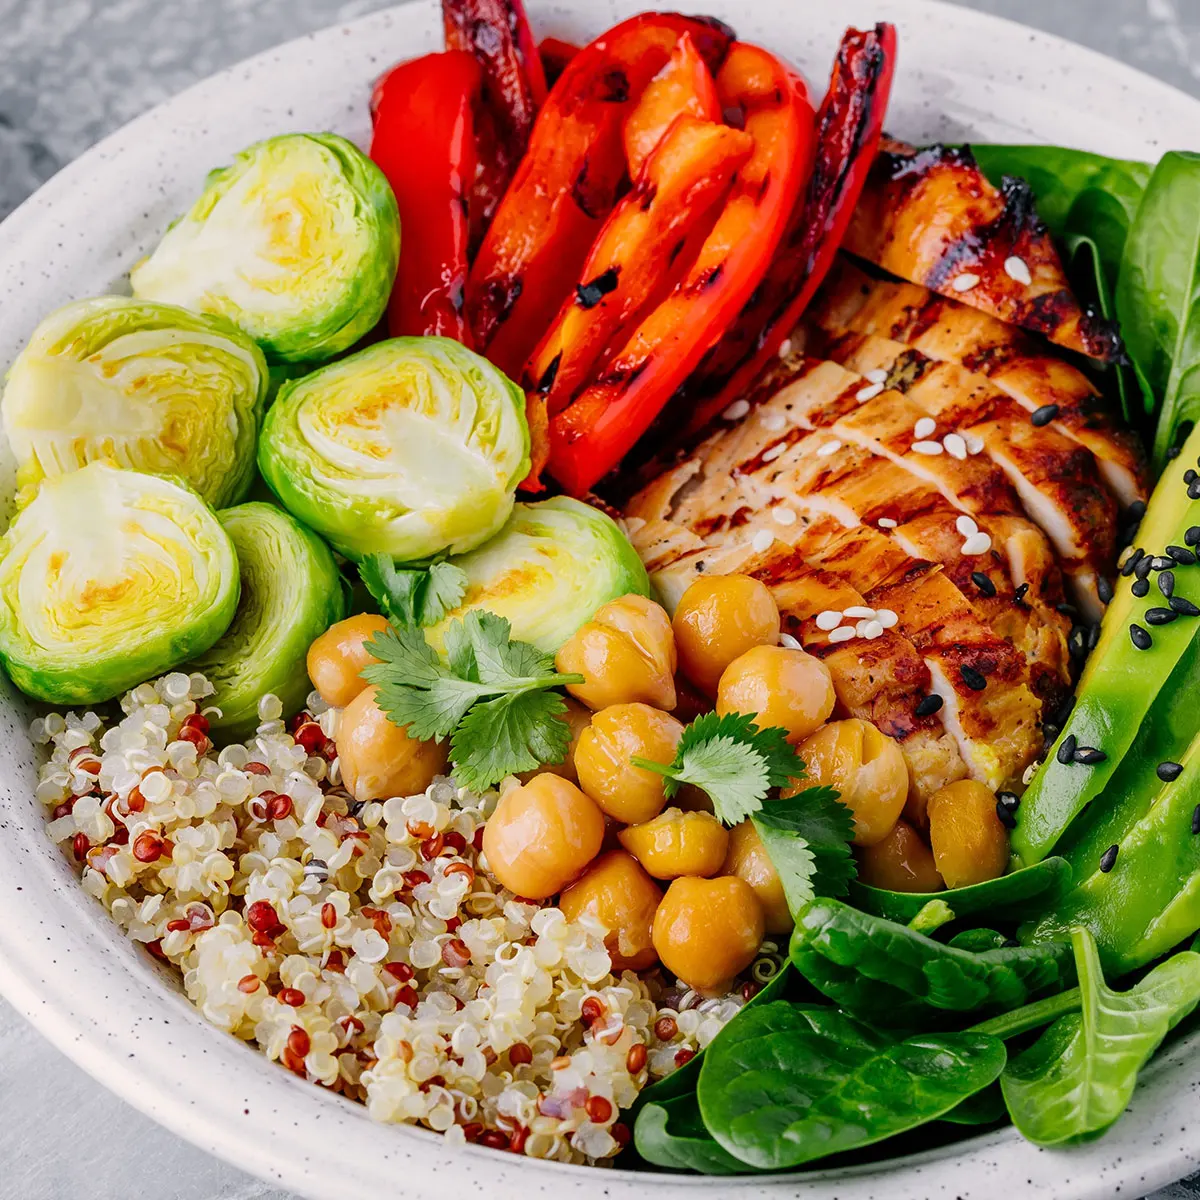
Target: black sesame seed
column 1182, row 555
column 1066, row 752
column 1009, row 800
column 1044, row 415
column 1093, row 638
column 1173, row 453
column 1194, row 490
column 1104, row 590
column 1183, row 606
column 1161, row 563
column 974, row 679
column 1136, row 511
column 1142, row 570
column 1135, row 556
column 1089, row 756
column 1064, row 710
column 1166, row 583
column 1077, row 641
column 983, row 583
column 1067, row 610
column 1190, row 476
column 1050, row 731
column 1019, row 594
column 1007, row 817
column 928, row 706
column 1191, row 535
column 1139, row 637
column 1108, row 859
column 1160, row 616
column 1168, row 772
column 1140, row 588
column 1196, row 819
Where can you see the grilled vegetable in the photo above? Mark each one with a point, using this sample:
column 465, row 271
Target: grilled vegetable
column 291, row 592
column 411, row 448
column 424, row 142
column 590, row 437
column 151, row 386
column 547, row 570
column 109, row 578
column 295, row 242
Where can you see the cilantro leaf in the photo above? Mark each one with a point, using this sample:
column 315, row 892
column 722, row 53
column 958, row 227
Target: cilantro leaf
column 513, row 733
column 413, row 596
column 808, row 839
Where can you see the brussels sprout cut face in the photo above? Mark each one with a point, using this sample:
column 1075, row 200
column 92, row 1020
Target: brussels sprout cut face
column 548, row 570
column 410, row 448
column 296, row 242
column 150, row 386
column 109, row 578
column 291, row 593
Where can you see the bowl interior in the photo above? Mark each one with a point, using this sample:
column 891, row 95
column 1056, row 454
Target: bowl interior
column 962, row 76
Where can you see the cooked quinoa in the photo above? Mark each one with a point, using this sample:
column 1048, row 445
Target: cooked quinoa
column 362, row 946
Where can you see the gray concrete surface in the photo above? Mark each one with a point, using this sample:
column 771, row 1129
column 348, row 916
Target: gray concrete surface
column 72, row 71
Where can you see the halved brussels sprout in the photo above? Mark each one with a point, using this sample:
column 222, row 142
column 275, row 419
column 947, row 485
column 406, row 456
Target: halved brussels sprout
column 150, row 386
column 296, row 242
column 548, row 570
column 291, row 593
column 410, row 448
column 109, row 578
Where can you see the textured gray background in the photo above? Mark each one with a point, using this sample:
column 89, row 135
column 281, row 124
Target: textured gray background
column 72, row 71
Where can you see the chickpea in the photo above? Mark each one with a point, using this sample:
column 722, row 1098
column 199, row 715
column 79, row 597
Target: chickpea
column 866, row 767
column 339, row 654
column 678, row 843
column 900, row 862
column 378, row 759
column 706, row 931
column 785, row 688
column 970, row 845
column 748, row 860
column 541, row 836
column 576, row 718
column 625, row 653
column 627, row 793
column 719, row 618
column 616, row 891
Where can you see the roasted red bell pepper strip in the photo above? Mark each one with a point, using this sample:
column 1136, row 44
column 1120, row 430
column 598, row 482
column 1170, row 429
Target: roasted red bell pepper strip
column 497, row 33
column 590, row 437
column 424, row 142
column 555, row 54
column 849, row 127
column 684, row 85
column 567, row 183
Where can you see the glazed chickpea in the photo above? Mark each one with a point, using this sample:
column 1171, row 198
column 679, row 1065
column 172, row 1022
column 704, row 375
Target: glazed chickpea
column 678, row 843
column 541, row 836
column 785, row 688
column 626, row 793
column 868, row 770
column 706, row 931
column 719, row 618
column 970, row 845
column 900, row 862
column 576, row 718
column 616, row 891
column 626, row 653
column 378, row 759
column 748, row 859
column 339, row 654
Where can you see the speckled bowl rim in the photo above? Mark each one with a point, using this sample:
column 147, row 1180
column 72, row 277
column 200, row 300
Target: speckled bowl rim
column 122, row 1018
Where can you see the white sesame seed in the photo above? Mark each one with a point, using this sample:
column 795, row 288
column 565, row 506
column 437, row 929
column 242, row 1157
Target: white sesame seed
column 789, row 643
column 843, row 634
column 772, row 420
column 974, row 443
column 785, row 347
column 930, row 448
column 955, row 445
column 771, row 453
column 785, row 516
column 924, row 427
column 737, row 410
column 965, row 282
column 829, row 448
column 966, row 526
column 870, row 630
column 1029, row 772
column 762, row 541
column 828, row 619
column 878, row 375
column 1015, row 268
column 858, row 610
column 886, row 618
column 977, row 543
column 887, row 523
column 869, row 392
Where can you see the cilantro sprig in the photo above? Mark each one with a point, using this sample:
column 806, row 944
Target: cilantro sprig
column 491, row 696
column 413, row 595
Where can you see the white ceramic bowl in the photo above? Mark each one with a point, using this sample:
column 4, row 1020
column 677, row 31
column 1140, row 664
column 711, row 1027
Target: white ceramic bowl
column 104, row 1003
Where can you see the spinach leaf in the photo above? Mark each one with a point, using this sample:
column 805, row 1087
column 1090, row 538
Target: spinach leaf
column 1158, row 294
column 807, row 837
column 789, row 1083
column 671, row 1134
column 983, row 1108
column 978, row 940
column 883, row 971
column 1022, row 893
column 1077, row 1078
